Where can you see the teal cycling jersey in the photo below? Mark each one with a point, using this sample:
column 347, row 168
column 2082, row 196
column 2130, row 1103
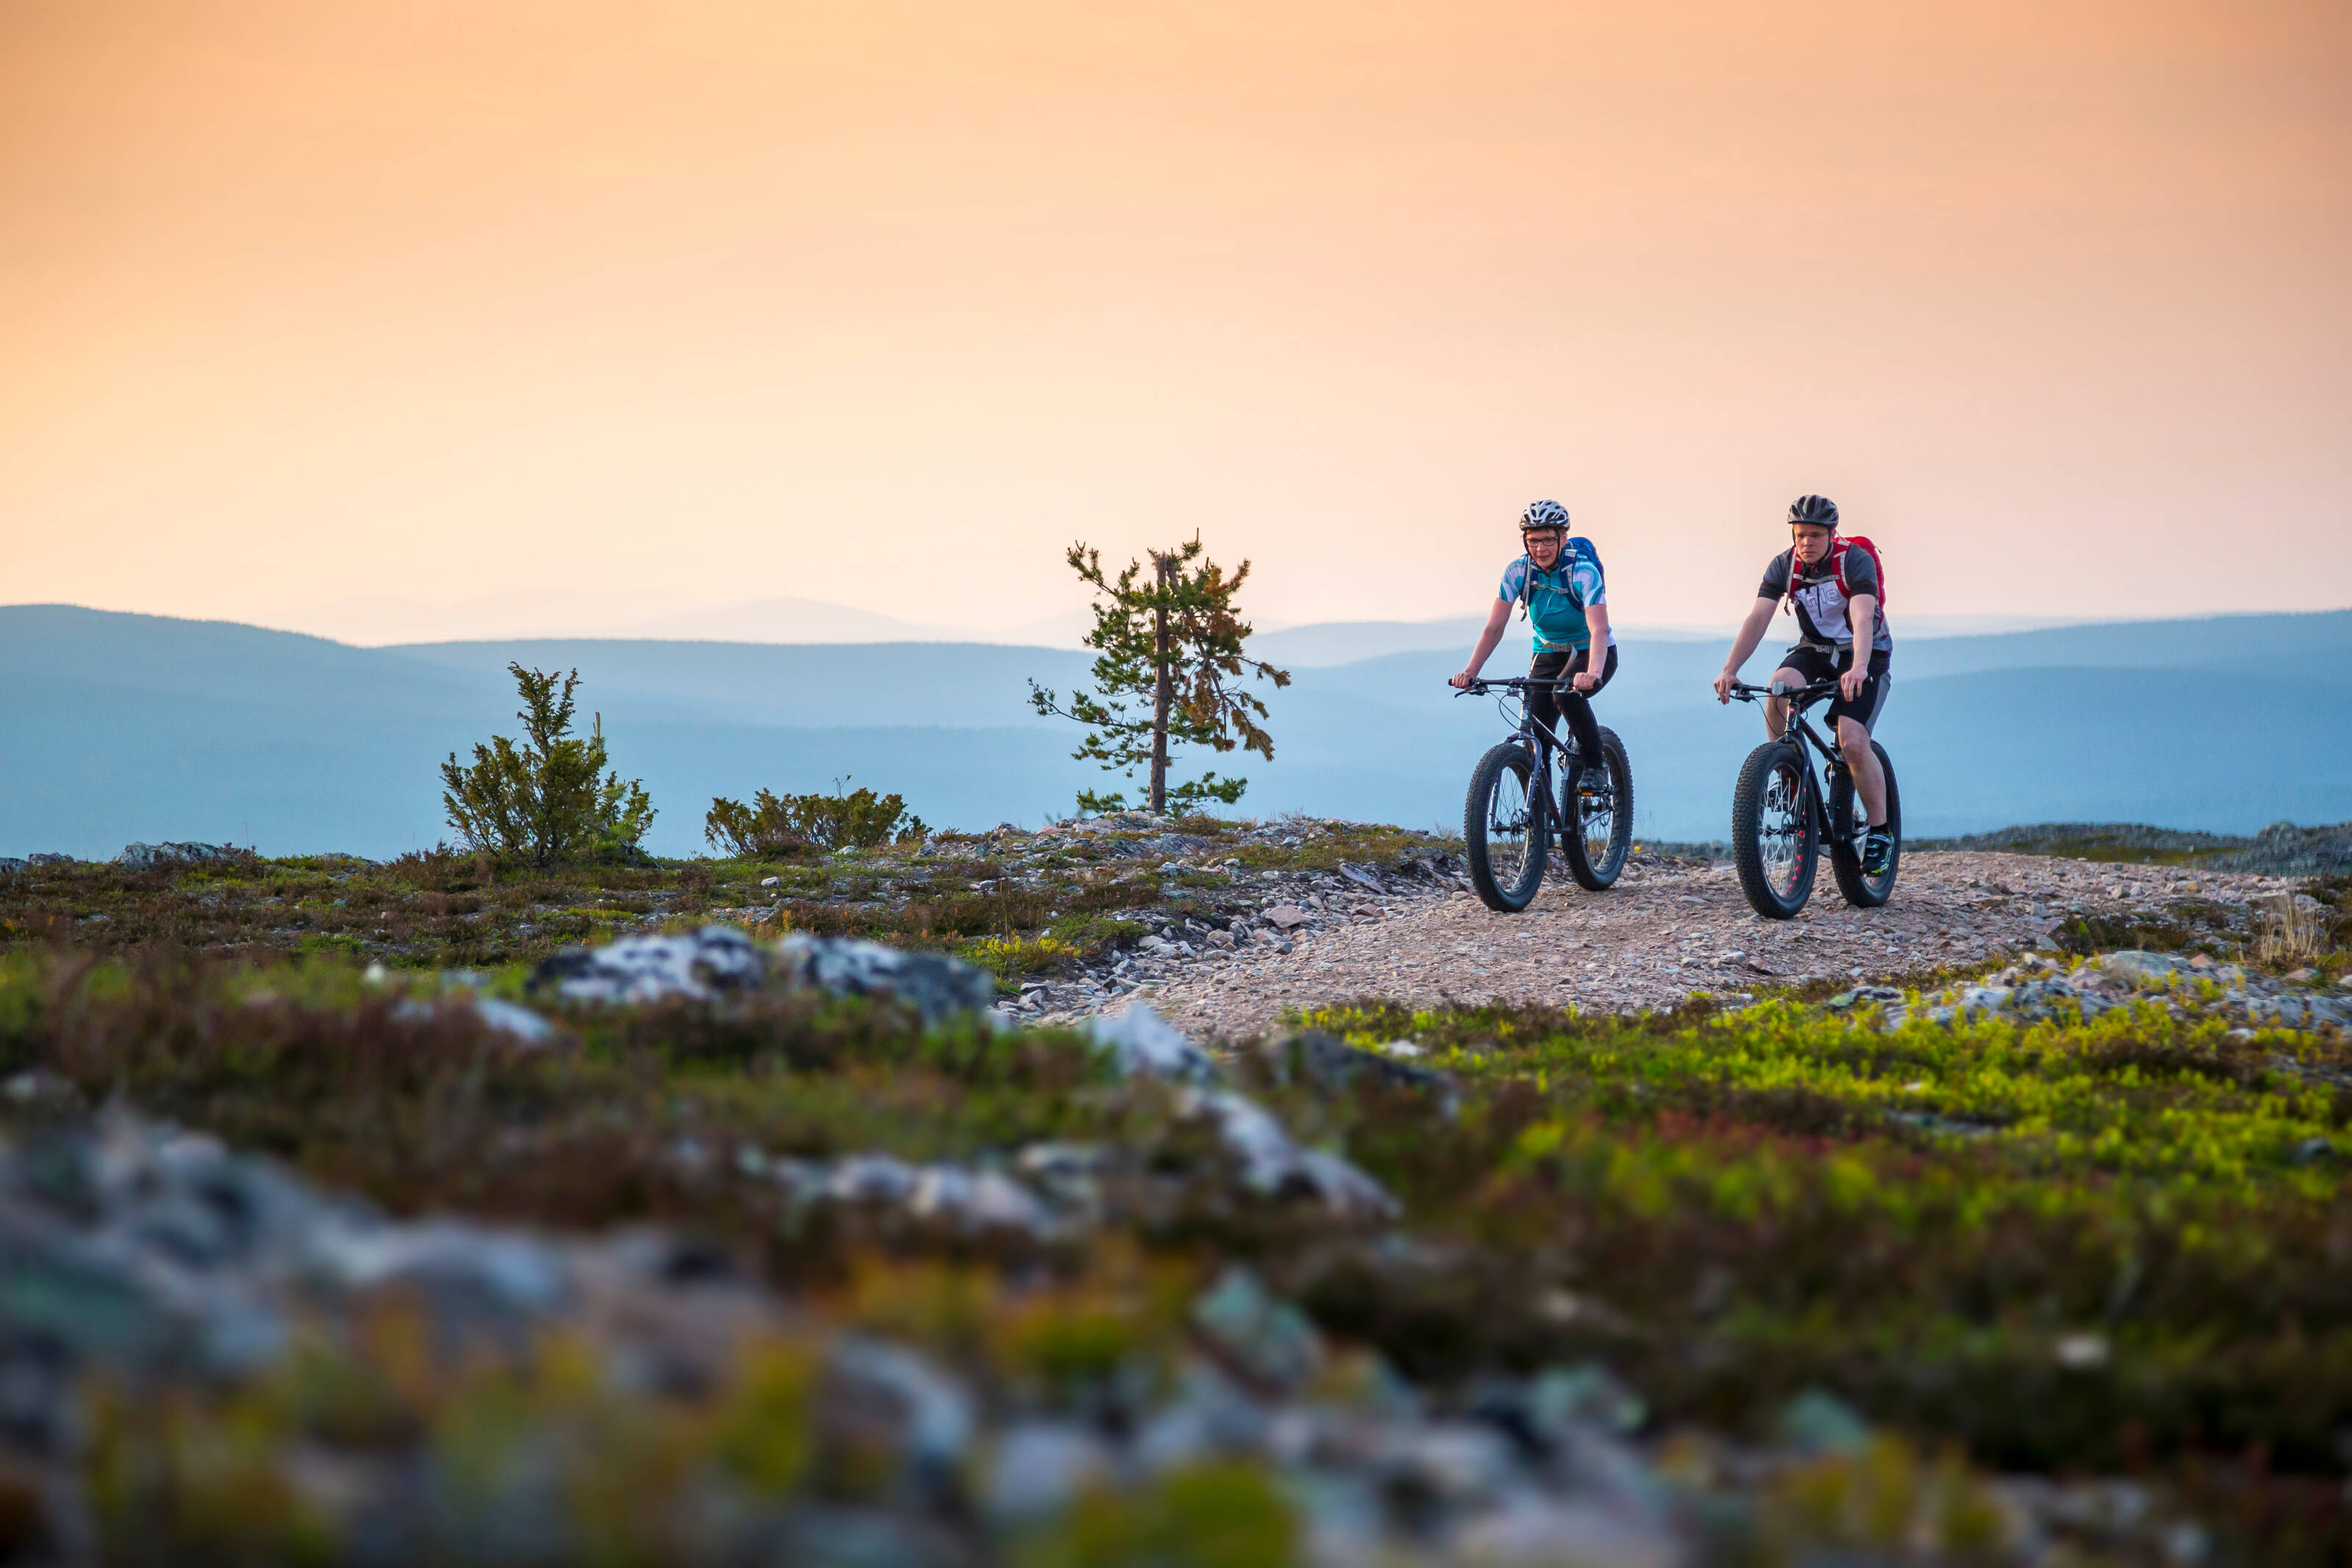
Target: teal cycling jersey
column 1557, row 599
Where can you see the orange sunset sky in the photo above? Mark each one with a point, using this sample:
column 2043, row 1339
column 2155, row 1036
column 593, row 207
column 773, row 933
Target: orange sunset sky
column 883, row 302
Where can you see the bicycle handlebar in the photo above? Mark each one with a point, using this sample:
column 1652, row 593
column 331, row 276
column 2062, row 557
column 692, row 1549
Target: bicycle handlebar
column 1799, row 695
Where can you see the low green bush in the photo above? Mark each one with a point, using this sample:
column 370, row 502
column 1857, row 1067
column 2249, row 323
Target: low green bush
column 780, row 826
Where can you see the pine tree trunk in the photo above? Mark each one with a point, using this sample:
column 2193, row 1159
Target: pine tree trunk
column 1160, row 692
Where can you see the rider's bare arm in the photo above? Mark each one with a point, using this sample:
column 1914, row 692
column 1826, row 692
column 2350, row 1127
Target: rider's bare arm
column 1751, row 631
column 1862, row 614
column 1596, row 616
column 1496, row 619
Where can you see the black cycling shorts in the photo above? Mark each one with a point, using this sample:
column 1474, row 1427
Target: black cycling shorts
column 1815, row 664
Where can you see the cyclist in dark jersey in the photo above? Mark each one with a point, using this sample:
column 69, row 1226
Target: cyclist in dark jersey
column 1559, row 579
column 1833, row 621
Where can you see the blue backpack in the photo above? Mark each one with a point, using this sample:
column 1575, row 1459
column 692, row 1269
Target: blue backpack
column 1574, row 551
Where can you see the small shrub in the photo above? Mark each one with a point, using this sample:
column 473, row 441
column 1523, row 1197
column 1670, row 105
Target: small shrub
column 544, row 801
column 781, row 825
column 1011, row 956
column 2289, row 932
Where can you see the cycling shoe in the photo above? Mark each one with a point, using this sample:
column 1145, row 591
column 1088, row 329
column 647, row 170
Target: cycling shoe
column 1877, row 850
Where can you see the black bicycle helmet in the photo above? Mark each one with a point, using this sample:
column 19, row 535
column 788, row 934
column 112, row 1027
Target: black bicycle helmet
column 1543, row 515
column 1819, row 509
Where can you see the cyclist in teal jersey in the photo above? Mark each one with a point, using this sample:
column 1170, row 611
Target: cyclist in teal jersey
column 1559, row 582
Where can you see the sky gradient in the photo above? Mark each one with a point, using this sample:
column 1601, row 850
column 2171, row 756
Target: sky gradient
column 883, row 303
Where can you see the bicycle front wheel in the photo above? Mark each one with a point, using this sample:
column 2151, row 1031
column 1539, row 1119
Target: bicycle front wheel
column 1773, row 840
column 1597, row 828
column 1848, row 816
column 1503, row 824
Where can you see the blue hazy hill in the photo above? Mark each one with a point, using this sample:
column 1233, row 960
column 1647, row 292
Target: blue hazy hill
column 115, row 728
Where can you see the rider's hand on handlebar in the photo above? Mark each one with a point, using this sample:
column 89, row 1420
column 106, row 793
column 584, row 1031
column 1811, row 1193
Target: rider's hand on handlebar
column 1586, row 681
column 1461, row 683
column 1723, row 685
column 1850, row 684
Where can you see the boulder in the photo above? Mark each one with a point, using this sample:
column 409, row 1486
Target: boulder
column 140, row 857
column 713, row 961
column 1276, row 1166
column 1143, row 1044
column 884, row 1403
column 935, row 985
column 2133, row 965
column 1333, row 1065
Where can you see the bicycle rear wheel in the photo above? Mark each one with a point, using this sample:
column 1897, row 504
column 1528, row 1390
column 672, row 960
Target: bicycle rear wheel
column 1503, row 825
column 1597, row 823
column 1773, row 840
column 1848, row 816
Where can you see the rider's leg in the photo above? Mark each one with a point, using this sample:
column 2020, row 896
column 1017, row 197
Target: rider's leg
column 1869, row 778
column 1543, row 675
column 1575, row 706
column 1855, row 720
column 1776, row 711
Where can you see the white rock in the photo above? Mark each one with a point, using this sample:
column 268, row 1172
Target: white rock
column 1144, row 1043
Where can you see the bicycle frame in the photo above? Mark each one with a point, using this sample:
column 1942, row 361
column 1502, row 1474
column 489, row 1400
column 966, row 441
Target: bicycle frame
column 1808, row 740
column 1529, row 731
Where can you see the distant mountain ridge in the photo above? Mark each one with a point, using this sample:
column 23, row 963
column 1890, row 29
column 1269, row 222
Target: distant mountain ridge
column 118, row 727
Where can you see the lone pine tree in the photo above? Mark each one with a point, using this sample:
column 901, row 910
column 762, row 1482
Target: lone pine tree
column 543, row 801
column 1170, row 663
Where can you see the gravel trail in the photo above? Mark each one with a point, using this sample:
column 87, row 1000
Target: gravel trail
column 1665, row 931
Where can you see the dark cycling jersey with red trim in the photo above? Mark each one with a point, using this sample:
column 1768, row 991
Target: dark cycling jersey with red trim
column 1821, row 603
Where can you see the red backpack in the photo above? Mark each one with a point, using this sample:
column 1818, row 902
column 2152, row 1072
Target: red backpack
column 1838, row 547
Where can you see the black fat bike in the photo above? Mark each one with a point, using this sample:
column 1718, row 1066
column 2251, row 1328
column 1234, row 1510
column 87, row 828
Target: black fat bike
column 1780, row 816
column 1515, row 806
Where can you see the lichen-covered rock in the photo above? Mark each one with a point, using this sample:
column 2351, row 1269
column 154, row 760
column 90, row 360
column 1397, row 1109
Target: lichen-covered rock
column 1276, row 1166
column 140, row 857
column 1143, row 1044
column 1333, row 1066
column 933, row 984
column 712, row 962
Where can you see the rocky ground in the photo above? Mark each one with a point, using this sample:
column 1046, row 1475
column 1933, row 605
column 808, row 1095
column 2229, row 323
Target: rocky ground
column 1670, row 928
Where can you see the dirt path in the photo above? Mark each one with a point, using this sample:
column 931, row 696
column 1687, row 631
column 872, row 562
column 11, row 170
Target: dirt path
column 1661, row 933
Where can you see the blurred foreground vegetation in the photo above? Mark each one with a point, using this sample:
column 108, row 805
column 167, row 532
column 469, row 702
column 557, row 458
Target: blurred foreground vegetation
column 2121, row 1249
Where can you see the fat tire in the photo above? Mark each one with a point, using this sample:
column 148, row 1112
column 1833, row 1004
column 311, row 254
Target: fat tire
column 1748, row 827
column 1507, row 898
column 1845, row 860
column 1601, row 876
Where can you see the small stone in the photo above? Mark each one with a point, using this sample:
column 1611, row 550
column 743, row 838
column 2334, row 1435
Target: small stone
column 1818, row 1422
column 1285, row 917
column 771, row 881
column 1266, row 1340
column 508, row 1017
column 1040, row 1467
column 1561, row 1397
